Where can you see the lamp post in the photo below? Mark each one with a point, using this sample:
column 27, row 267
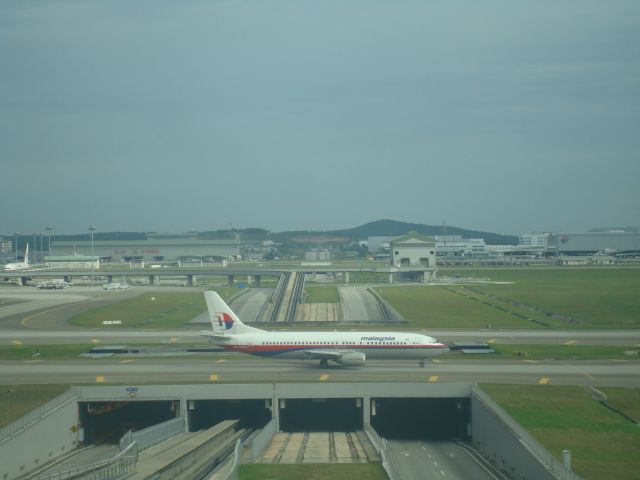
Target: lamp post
column 49, row 228
column 15, row 245
column 35, row 248
column 92, row 229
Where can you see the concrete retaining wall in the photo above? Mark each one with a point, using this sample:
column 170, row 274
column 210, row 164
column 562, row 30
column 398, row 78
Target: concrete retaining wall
column 54, row 434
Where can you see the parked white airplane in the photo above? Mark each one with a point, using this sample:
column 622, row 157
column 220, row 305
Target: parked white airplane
column 19, row 265
column 343, row 348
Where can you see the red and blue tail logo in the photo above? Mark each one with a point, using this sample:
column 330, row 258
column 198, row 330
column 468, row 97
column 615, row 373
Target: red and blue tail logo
column 224, row 320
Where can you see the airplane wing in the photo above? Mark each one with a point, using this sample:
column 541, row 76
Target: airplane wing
column 326, row 354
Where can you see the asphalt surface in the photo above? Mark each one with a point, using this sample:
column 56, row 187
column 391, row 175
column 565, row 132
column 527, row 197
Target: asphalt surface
column 359, row 305
column 435, row 460
column 240, row 369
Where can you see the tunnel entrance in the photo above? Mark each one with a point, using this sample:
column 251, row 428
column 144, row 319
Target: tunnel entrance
column 203, row 414
column 320, row 414
column 421, row 418
column 106, row 422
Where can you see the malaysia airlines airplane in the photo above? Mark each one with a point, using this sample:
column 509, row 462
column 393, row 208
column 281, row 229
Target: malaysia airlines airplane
column 19, row 265
column 343, row 348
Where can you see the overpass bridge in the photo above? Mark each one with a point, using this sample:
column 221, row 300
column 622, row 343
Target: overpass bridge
column 191, row 274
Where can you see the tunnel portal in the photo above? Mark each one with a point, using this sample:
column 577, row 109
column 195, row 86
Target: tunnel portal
column 421, row 418
column 321, row 414
column 254, row 413
column 106, row 422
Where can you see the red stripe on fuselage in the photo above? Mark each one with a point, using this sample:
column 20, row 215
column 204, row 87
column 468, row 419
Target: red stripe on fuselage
column 275, row 349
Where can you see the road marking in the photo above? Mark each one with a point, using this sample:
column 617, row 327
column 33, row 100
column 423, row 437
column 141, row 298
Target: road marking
column 174, row 339
column 443, row 474
column 222, row 360
column 324, row 378
column 213, row 378
column 543, row 381
column 436, row 361
column 95, row 340
column 26, row 321
column 126, row 361
column 99, row 379
column 531, row 361
column 433, row 378
column 493, row 340
column 570, row 342
column 16, row 342
column 32, row 361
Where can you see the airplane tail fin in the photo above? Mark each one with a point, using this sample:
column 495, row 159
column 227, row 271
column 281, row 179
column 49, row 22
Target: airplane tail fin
column 26, row 255
column 223, row 320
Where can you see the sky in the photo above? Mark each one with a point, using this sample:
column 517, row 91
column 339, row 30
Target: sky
column 167, row 116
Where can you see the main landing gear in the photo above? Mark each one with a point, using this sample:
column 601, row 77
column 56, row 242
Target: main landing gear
column 324, row 363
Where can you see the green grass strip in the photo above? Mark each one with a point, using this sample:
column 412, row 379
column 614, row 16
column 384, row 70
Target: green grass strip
column 161, row 309
column 321, row 294
column 18, row 400
column 603, row 444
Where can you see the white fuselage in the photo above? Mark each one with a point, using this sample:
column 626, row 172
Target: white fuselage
column 381, row 345
column 10, row 267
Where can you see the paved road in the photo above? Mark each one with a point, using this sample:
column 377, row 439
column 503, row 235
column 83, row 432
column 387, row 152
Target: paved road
column 359, row 305
column 435, row 460
column 248, row 305
column 241, row 369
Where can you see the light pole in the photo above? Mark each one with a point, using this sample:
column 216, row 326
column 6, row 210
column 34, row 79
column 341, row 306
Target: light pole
column 92, row 229
column 15, row 245
column 49, row 229
column 35, row 248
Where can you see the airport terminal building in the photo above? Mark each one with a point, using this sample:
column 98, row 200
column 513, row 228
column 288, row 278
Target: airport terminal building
column 153, row 249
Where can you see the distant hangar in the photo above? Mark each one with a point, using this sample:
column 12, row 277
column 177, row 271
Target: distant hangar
column 154, row 248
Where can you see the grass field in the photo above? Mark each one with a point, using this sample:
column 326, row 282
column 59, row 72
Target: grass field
column 603, row 444
column 625, row 400
column 437, row 307
column 321, row 294
column 368, row 277
column 18, row 400
column 568, row 298
column 161, row 309
column 320, row 471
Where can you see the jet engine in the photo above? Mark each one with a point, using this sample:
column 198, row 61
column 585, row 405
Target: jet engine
column 352, row 359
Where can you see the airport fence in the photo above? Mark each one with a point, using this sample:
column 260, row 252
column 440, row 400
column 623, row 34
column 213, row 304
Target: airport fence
column 553, row 465
column 380, row 445
column 153, row 435
column 119, row 466
column 232, row 474
column 36, row 415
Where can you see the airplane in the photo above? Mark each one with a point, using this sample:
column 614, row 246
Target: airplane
column 343, row 348
column 19, row 265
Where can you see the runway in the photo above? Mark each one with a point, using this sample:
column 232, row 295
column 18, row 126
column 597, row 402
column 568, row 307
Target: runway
column 229, row 369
